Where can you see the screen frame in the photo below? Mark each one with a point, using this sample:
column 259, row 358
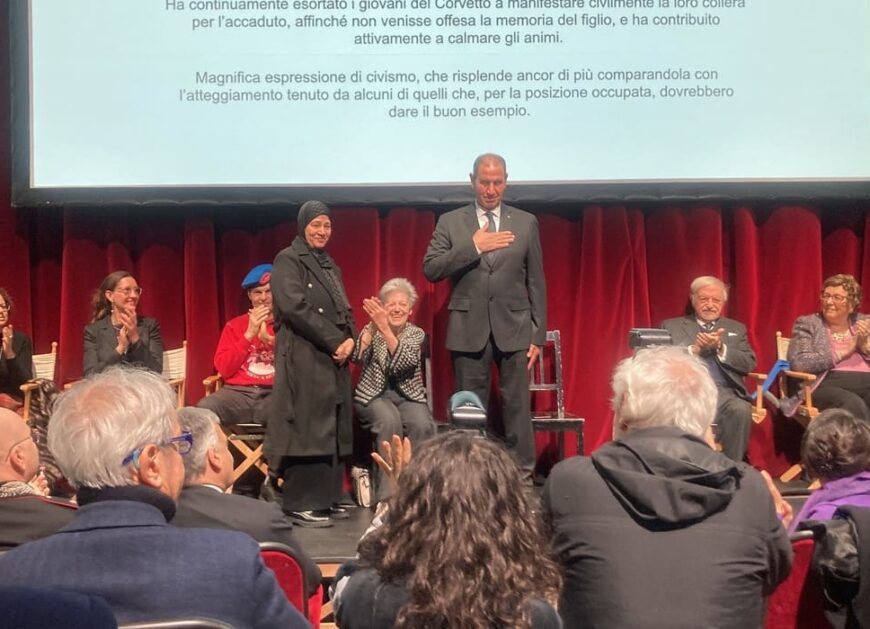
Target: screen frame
column 426, row 194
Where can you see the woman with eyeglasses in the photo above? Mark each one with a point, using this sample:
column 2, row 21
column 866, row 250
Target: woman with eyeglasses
column 117, row 334
column 834, row 344
column 16, row 357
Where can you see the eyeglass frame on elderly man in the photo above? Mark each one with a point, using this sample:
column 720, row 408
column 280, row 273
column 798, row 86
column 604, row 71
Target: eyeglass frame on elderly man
column 184, row 443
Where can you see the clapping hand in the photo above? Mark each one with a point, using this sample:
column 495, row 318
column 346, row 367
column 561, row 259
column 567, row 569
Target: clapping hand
column 257, row 318
column 709, row 341
column 376, row 312
column 394, row 460
column 783, row 509
column 127, row 318
column 8, row 352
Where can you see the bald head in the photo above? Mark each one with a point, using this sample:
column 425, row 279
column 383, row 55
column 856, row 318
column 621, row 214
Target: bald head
column 20, row 458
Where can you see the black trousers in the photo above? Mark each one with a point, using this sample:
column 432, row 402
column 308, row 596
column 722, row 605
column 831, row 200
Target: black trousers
column 472, row 372
column 311, row 483
column 849, row 390
column 733, row 423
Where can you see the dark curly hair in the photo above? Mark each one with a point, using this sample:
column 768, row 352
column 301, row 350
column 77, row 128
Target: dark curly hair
column 835, row 445
column 463, row 537
column 101, row 305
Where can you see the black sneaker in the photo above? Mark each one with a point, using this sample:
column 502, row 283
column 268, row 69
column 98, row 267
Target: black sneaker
column 337, row 512
column 309, row 519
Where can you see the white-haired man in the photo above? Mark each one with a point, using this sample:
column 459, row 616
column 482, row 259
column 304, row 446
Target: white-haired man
column 657, row 529
column 724, row 347
column 208, row 474
column 116, row 438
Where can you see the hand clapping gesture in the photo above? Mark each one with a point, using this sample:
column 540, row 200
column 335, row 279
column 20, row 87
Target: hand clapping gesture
column 8, row 352
column 394, row 459
column 258, row 317
column 376, row 312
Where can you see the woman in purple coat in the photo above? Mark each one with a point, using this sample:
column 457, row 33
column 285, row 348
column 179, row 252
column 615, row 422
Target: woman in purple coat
column 836, row 450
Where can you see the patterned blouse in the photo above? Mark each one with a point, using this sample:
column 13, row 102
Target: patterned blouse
column 401, row 371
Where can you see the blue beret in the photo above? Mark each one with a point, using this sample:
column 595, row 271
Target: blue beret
column 258, row 276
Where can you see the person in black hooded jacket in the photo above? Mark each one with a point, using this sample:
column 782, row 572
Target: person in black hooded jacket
column 657, row 529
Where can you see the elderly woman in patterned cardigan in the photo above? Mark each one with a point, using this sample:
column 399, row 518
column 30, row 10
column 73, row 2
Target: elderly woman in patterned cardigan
column 834, row 343
column 390, row 398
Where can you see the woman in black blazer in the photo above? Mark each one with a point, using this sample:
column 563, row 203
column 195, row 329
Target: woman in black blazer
column 117, row 334
column 16, row 356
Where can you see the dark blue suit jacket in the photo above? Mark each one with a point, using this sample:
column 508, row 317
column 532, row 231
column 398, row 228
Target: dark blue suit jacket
column 124, row 552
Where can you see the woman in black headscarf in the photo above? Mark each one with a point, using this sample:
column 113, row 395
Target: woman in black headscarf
column 309, row 411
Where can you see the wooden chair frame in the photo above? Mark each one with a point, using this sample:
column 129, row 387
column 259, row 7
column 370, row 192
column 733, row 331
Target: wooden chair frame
column 241, row 436
column 44, row 367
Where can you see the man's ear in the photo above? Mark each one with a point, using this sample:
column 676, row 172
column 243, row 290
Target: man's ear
column 213, row 460
column 17, row 461
column 150, row 470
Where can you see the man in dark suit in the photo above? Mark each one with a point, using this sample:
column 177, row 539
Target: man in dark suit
column 724, row 347
column 498, row 307
column 116, row 437
column 26, row 513
column 208, row 474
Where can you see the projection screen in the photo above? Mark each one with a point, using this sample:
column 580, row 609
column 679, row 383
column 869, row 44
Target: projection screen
column 389, row 101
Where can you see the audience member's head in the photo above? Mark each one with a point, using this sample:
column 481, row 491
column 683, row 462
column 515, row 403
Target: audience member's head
column 464, row 537
column 663, row 386
column 209, row 460
column 835, row 445
column 20, row 457
column 119, row 428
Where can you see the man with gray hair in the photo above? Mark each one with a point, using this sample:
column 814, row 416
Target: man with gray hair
column 116, row 438
column 656, row 528
column 724, row 347
column 204, row 501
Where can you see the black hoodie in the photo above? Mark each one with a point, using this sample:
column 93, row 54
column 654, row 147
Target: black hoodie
column 658, row 530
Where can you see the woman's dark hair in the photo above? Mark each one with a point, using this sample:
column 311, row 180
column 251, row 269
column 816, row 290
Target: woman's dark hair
column 463, row 537
column 836, row 445
column 6, row 298
column 102, row 306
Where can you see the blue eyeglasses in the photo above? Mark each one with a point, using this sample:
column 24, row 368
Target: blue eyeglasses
column 182, row 443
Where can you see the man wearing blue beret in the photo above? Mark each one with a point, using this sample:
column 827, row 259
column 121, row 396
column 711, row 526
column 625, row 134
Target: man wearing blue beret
column 245, row 355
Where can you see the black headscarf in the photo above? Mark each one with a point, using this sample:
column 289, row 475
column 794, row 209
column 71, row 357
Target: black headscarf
column 307, row 213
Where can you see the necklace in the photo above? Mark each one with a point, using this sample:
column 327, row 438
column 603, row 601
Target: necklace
column 841, row 336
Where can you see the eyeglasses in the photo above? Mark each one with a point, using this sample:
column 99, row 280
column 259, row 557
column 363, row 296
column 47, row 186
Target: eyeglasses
column 837, row 299
column 129, row 291
column 182, row 443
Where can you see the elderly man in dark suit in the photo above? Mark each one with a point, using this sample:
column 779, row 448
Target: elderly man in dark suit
column 116, row 438
column 208, row 475
column 723, row 345
column 498, row 308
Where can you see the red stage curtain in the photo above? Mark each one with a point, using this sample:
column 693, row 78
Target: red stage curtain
column 608, row 269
